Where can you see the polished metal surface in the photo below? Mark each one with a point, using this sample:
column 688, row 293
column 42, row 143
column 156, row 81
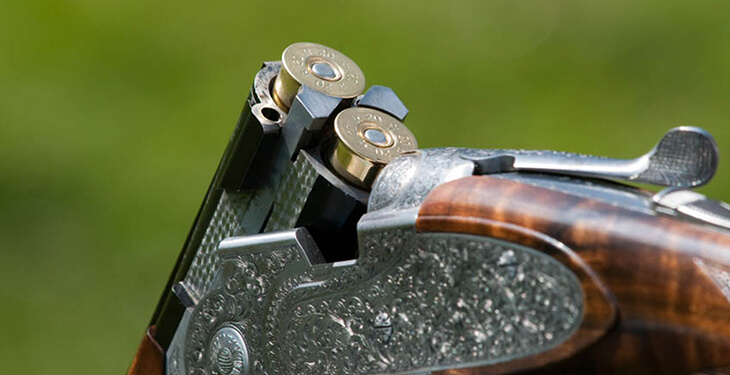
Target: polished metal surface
column 307, row 117
column 695, row 206
column 383, row 99
column 405, row 182
column 685, row 156
column 264, row 101
column 676, row 197
column 708, row 211
column 320, row 68
column 257, row 130
column 185, row 294
column 298, row 238
column 357, row 157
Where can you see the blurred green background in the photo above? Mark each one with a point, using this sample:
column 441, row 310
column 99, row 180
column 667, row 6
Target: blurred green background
column 113, row 116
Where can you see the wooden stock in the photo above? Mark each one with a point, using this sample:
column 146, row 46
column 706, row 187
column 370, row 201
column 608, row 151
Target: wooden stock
column 150, row 357
column 655, row 271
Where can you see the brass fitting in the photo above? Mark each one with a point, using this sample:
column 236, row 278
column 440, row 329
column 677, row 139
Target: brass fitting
column 320, row 68
column 367, row 140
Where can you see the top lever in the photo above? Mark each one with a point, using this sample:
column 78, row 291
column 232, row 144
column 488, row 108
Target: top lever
column 685, row 157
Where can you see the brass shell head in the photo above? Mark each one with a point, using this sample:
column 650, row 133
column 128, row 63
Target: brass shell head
column 367, row 140
column 318, row 67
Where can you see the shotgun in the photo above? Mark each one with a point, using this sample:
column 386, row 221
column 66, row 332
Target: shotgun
column 328, row 243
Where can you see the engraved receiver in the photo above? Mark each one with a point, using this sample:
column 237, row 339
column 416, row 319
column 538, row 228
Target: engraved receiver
column 328, row 243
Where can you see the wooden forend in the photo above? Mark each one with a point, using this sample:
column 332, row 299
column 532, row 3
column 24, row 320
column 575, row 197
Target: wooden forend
column 150, row 357
column 651, row 306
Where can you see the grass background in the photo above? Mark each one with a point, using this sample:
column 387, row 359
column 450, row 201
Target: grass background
column 113, row 115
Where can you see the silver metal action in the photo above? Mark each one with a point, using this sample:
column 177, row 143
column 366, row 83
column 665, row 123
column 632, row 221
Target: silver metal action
column 265, row 293
column 685, row 156
column 410, row 303
column 396, row 308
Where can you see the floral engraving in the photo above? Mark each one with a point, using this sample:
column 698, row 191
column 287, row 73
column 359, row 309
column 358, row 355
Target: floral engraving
column 412, row 303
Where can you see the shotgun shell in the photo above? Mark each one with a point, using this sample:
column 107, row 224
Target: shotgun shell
column 319, row 67
column 367, row 140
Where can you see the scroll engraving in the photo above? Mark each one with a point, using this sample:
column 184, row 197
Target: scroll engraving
column 411, row 303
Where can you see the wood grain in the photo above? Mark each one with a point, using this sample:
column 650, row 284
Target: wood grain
column 673, row 318
column 150, row 357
